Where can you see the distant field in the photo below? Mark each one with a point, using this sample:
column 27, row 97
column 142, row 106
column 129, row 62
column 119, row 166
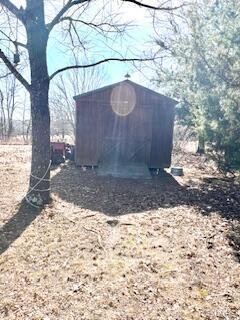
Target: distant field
column 119, row 249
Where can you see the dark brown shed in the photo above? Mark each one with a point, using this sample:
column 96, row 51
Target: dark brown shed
column 124, row 123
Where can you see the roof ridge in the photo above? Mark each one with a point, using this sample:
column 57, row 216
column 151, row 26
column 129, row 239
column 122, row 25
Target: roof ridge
column 117, row 83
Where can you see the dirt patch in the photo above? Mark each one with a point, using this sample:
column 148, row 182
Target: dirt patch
column 119, row 249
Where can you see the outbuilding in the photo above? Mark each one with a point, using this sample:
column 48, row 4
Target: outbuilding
column 124, row 123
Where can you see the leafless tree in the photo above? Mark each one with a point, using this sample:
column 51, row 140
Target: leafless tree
column 68, row 85
column 26, row 120
column 37, row 20
column 9, row 93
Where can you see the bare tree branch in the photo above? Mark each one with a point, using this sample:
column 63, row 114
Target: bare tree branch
column 59, row 17
column 64, row 9
column 117, row 27
column 19, row 13
column 5, row 75
column 14, row 71
column 97, row 63
column 15, row 42
column 153, row 7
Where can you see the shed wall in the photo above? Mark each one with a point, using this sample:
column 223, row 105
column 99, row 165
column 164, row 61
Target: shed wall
column 162, row 136
column 88, row 122
column 101, row 134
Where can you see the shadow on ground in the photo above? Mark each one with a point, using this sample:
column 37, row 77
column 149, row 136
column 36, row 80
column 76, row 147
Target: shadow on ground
column 13, row 229
column 114, row 196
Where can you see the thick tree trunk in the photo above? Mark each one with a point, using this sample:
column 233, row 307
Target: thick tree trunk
column 40, row 168
column 37, row 48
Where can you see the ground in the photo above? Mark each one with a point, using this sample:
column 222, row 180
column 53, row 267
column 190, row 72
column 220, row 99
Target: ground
column 119, row 249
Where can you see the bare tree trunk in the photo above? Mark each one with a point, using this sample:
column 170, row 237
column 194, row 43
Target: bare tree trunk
column 10, row 128
column 40, row 142
column 11, row 107
column 26, row 125
column 1, row 116
column 37, row 48
column 27, row 134
column 201, row 145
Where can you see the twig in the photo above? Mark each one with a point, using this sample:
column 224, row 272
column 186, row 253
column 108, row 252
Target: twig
column 89, row 216
column 99, row 239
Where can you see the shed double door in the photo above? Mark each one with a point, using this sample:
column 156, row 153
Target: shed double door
column 127, row 139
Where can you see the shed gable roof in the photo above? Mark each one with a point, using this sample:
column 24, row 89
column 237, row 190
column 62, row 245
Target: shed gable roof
column 134, row 84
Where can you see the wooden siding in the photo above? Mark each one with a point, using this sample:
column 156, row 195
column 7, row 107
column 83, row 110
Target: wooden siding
column 87, row 135
column 162, row 136
column 144, row 135
column 123, row 138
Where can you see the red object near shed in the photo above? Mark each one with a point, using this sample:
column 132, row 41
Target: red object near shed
column 57, row 152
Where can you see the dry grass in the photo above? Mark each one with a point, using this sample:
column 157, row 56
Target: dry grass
column 119, row 249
